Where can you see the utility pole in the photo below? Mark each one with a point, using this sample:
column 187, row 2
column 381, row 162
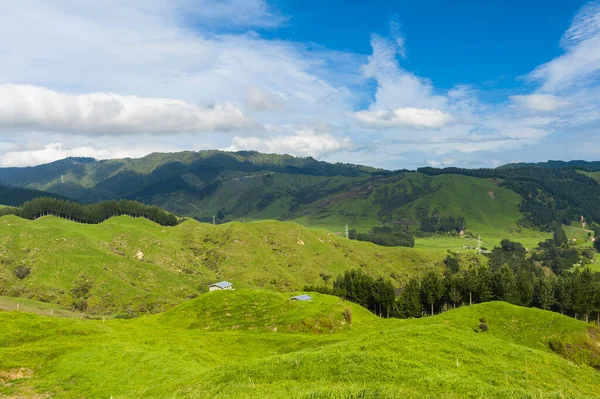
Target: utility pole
column 347, row 232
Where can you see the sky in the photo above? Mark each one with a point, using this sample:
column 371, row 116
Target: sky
column 388, row 83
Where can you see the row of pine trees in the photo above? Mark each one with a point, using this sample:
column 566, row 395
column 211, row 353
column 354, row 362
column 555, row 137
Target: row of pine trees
column 90, row 213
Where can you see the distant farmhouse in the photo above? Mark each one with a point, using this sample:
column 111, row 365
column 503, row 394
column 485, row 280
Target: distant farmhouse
column 223, row 285
column 302, row 297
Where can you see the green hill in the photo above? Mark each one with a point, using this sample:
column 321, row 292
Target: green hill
column 254, row 186
column 247, row 186
column 526, row 353
column 131, row 266
column 259, row 310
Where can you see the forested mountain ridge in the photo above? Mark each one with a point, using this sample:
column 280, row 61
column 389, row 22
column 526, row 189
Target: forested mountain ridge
column 576, row 164
column 248, row 185
column 14, row 196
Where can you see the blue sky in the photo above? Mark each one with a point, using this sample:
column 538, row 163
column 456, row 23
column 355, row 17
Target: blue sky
column 395, row 84
column 451, row 42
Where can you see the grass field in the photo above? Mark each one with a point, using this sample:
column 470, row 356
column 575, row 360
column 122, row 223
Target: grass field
column 258, row 344
column 490, row 210
column 179, row 262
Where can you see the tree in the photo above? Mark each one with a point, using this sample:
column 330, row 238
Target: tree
column 504, row 284
column 432, row 290
column 544, row 293
column 409, row 301
column 558, row 234
column 453, row 288
column 524, row 288
column 452, row 262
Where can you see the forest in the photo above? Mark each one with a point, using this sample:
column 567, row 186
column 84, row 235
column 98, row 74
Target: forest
column 395, row 236
column 508, row 273
column 90, row 213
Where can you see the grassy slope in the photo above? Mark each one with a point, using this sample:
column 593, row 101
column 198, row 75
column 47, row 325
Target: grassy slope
column 490, row 210
column 593, row 175
column 180, row 261
column 240, row 354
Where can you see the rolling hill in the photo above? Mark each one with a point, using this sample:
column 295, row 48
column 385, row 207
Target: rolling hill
column 247, row 186
column 254, row 186
column 257, row 344
column 130, row 266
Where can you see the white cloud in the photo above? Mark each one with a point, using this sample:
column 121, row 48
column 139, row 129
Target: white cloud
column 41, row 109
column 398, row 37
column 304, row 142
column 396, row 87
column 540, row 102
column 404, row 117
column 176, row 67
column 54, row 151
column 247, row 13
column 258, row 100
column 581, row 61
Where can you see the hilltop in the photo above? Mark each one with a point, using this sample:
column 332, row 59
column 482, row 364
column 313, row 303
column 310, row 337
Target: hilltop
column 130, row 266
column 254, row 186
column 521, row 200
column 524, row 353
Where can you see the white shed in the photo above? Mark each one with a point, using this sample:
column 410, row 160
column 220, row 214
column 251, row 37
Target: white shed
column 223, row 285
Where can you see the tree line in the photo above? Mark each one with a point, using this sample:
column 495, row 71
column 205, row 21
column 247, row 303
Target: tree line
column 508, row 273
column 395, row 236
column 435, row 223
column 90, row 213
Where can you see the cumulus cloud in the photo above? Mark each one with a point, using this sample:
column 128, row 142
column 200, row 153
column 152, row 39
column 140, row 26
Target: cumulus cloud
column 540, row 102
column 404, row 117
column 304, row 142
column 402, row 100
column 396, row 87
column 41, row 109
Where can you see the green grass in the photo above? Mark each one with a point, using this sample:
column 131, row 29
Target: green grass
column 490, row 210
column 225, row 345
column 180, row 262
column 593, row 175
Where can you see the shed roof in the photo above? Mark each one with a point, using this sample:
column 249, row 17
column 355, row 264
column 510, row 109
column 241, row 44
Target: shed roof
column 221, row 284
column 302, row 297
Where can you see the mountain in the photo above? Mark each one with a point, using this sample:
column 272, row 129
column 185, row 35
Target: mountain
column 130, row 266
column 253, row 186
column 195, row 184
column 259, row 344
column 582, row 165
column 15, row 196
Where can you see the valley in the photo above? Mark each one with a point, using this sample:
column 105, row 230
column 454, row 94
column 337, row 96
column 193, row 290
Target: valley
column 97, row 299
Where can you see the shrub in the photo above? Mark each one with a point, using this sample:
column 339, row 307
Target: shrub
column 482, row 319
column 348, row 315
column 81, row 287
column 22, row 271
column 81, row 305
column 483, row 327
